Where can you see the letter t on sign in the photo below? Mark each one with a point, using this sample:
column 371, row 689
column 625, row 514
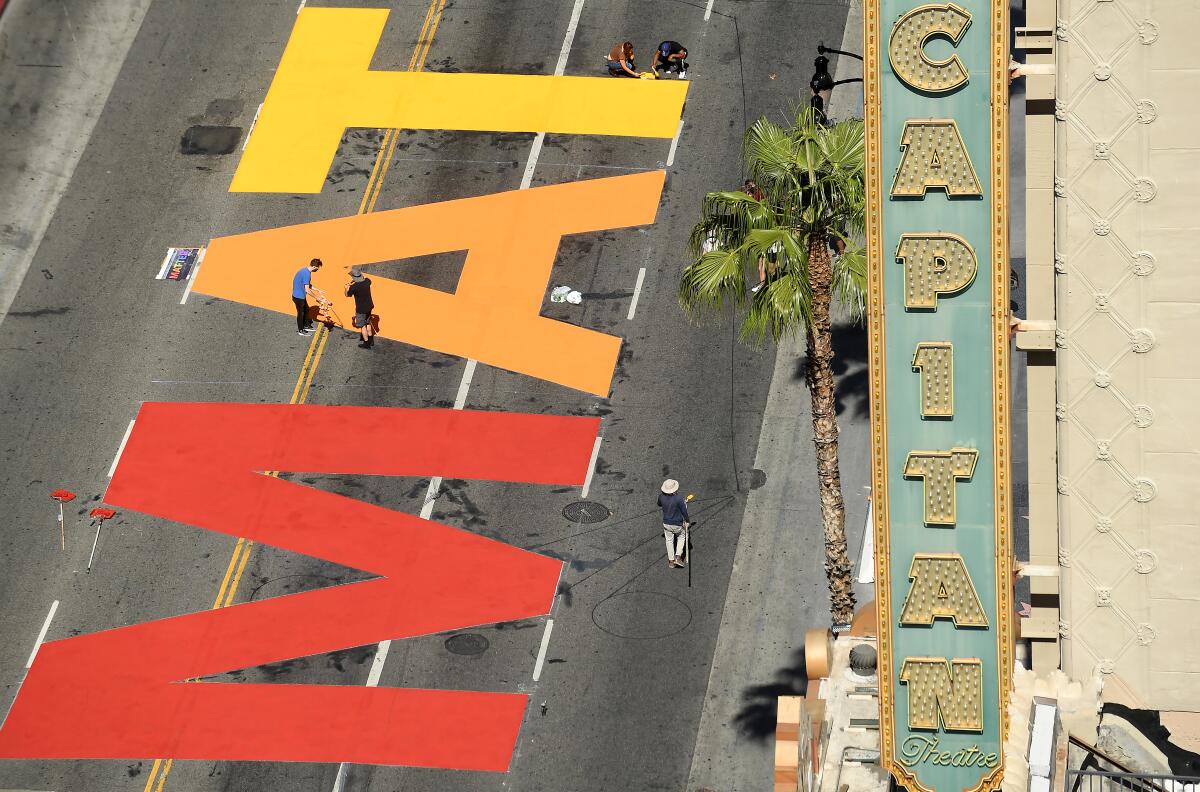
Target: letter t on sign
column 325, row 84
column 941, row 471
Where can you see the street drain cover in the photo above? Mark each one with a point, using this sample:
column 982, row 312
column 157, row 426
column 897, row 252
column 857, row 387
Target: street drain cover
column 210, row 140
column 467, row 644
column 586, row 512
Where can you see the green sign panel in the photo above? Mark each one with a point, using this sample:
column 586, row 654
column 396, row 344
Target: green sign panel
column 937, row 114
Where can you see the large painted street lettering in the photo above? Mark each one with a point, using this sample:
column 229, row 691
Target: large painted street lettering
column 511, row 240
column 122, row 693
column 324, row 84
column 139, row 691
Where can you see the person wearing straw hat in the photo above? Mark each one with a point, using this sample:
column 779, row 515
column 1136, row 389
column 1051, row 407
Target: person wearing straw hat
column 675, row 522
column 359, row 288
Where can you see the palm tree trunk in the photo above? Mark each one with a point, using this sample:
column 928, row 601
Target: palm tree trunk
column 825, row 431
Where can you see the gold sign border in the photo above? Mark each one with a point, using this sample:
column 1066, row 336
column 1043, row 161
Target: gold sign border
column 998, row 170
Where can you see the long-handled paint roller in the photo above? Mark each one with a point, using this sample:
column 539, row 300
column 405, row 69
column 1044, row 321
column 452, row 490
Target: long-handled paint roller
column 687, row 542
column 98, row 515
column 62, row 496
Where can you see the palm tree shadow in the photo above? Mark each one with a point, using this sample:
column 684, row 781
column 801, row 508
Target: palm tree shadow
column 850, row 370
column 756, row 719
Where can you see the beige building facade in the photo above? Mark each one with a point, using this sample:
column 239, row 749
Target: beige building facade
column 1112, row 338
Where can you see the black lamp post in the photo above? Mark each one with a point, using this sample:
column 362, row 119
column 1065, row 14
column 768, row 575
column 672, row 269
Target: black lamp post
column 822, row 65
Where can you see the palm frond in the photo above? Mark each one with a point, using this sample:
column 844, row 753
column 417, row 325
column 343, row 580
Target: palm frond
column 850, row 281
column 779, row 309
column 811, row 177
column 712, row 283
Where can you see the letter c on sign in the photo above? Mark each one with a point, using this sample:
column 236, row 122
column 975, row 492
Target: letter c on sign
column 906, row 48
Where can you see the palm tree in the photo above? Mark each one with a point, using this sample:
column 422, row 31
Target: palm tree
column 812, row 191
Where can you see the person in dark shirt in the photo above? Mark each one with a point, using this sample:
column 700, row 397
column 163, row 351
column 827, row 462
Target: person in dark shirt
column 359, row 288
column 669, row 56
column 675, row 522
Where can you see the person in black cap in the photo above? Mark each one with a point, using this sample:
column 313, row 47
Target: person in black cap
column 671, row 55
column 359, row 288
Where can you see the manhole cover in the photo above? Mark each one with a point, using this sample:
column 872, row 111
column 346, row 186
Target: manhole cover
column 586, row 512
column 467, row 644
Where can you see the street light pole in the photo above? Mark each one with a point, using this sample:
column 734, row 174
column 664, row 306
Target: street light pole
column 822, row 49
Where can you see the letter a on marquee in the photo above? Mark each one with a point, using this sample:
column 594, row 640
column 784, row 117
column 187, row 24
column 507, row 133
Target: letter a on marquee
column 493, row 316
column 934, row 157
column 325, row 84
column 941, row 589
column 123, row 693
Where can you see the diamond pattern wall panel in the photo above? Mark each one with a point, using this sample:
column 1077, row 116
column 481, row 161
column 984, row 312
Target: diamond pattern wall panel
column 1128, row 233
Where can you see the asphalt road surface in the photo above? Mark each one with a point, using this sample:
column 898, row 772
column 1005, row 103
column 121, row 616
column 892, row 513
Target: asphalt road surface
column 91, row 335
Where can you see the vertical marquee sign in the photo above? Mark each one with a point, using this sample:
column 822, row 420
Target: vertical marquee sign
column 936, row 120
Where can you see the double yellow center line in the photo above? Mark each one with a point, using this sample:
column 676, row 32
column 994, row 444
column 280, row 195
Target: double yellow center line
column 316, row 347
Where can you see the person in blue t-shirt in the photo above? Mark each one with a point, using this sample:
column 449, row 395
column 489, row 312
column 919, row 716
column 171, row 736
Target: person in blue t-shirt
column 301, row 289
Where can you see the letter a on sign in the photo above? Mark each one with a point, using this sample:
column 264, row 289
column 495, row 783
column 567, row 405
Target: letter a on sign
column 941, row 589
column 511, row 240
column 935, row 157
column 325, row 84
column 124, row 692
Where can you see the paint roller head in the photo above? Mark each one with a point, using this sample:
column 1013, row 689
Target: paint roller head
column 690, row 497
column 62, row 495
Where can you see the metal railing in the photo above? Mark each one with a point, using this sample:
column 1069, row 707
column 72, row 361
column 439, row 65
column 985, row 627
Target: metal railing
column 1105, row 781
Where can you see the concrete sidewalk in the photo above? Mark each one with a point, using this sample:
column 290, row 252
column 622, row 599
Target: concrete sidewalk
column 777, row 589
column 58, row 62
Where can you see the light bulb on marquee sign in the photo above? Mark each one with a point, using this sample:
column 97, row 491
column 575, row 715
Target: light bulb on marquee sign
column 936, row 117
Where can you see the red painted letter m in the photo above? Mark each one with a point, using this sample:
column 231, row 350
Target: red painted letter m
column 122, row 693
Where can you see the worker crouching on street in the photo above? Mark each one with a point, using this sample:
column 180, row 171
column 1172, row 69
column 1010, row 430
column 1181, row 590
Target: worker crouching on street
column 620, row 61
column 671, row 57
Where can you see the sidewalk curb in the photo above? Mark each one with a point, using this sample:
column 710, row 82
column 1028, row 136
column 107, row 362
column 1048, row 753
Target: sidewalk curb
column 777, row 587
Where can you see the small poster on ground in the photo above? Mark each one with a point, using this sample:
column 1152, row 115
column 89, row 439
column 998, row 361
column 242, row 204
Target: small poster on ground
column 179, row 263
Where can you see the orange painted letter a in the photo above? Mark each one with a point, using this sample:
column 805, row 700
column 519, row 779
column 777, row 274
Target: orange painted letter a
column 511, row 240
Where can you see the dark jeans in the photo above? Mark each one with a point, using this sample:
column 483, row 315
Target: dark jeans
column 615, row 70
column 676, row 66
column 301, row 304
